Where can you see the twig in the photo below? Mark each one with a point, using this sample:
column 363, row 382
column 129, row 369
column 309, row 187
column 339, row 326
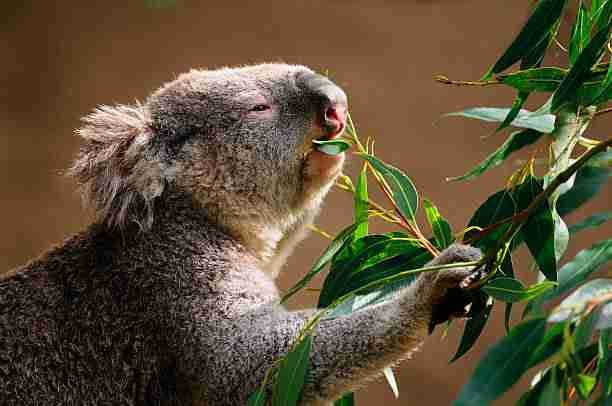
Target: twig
column 559, row 44
column 445, row 80
column 603, row 111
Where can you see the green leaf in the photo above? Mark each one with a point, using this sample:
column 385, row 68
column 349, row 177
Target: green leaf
column 606, row 88
column 543, row 19
column 335, row 246
column 576, row 271
column 538, row 232
column 546, row 392
column 474, row 325
column 291, row 374
column 498, row 206
column 579, row 72
column 581, row 33
column 503, row 364
column 347, row 400
column 511, row 290
column 600, row 14
column 604, row 370
column 544, row 123
column 591, row 221
column 535, row 57
column 369, row 259
column 441, row 229
column 587, row 183
column 551, row 344
column 257, row 398
column 545, row 79
column 402, row 189
column 584, row 330
column 515, row 142
column 517, row 105
column 507, row 269
column 584, row 384
column 331, row 147
column 361, row 204
column 576, row 303
column 602, row 160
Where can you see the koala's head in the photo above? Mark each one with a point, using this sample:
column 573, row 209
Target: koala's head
column 237, row 140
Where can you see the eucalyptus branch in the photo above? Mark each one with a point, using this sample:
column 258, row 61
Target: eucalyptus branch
column 518, row 219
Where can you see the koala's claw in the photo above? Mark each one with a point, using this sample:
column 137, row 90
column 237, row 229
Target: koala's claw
column 452, row 295
column 473, row 278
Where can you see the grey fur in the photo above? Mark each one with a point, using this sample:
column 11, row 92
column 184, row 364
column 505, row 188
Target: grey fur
column 169, row 298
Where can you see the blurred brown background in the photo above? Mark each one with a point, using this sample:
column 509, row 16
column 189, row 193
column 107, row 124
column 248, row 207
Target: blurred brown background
column 60, row 59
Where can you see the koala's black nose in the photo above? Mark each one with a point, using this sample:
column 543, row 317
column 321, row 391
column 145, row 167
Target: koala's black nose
column 330, row 100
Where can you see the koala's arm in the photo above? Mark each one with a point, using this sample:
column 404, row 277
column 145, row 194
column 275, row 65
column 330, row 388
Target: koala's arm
column 347, row 351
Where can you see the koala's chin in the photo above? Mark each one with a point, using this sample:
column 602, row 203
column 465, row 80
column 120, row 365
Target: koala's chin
column 321, row 170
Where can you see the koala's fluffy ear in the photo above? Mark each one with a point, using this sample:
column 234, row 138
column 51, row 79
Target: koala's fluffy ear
column 118, row 169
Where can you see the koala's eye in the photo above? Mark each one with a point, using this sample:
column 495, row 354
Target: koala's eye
column 260, row 107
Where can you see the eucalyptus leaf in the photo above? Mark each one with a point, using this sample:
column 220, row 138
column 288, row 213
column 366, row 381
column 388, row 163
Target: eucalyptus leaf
column 579, row 72
column 257, row 398
column 515, row 142
column 347, row 400
column 601, row 13
column 545, row 79
column 544, row 17
column 511, row 290
column 331, row 147
column 581, row 33
column 605, row 367
column 361, row 203
column 517, row 105
column 441, row 229
column 369, row 259
column 592, row 221
column 342, row 238
column 587, row 183
column 401, row 187
column 606, row 87
column 584, row 384
column 292, row 373
column 583, row 332
column 577, row 302
column 499, row 206
column 538, row 232
column 503, row 364
column 474, row 325
column 603, row 160
column 507, row 269
column 576, row 271
column 546, row 392
column 551, row 344
column 544, row 123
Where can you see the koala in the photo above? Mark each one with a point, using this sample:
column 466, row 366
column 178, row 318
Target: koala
column 169, row 296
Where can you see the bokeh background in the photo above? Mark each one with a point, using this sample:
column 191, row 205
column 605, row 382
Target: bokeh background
column 60, row 59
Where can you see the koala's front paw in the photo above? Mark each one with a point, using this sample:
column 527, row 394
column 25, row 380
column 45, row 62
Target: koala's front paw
column 447, row 295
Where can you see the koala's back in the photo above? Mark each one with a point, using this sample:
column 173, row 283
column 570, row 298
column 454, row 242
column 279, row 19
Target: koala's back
column 81, row 325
